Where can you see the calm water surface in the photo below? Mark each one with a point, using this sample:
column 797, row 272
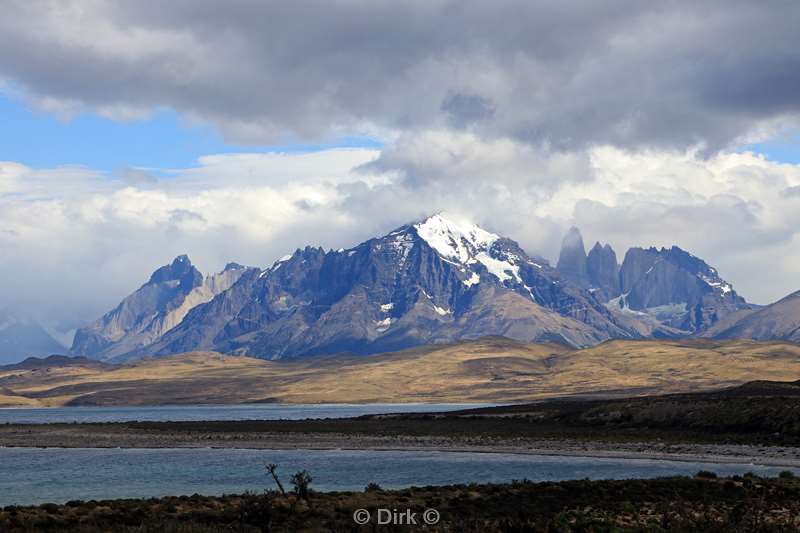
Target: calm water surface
column 175, row 413
column 32, row 475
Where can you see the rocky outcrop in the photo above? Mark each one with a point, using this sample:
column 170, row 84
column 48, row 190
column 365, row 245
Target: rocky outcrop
column 602, row 271
column 572, row 258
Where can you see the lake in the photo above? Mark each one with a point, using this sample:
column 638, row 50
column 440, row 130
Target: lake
column 34, row 475
column 176, row 413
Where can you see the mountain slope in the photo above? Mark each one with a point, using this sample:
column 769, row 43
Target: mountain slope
column 778, row 321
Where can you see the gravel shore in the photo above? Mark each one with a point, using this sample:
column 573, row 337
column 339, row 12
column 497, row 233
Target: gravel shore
column 124, row 436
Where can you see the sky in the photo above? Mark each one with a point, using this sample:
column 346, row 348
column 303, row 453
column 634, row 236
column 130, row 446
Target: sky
column 242, row 130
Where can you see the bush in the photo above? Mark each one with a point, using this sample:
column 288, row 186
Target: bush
column 786, row 474
column 373, row 487
column 706, row 474
column 301, row 481
column 255, row 510
column 49, row 508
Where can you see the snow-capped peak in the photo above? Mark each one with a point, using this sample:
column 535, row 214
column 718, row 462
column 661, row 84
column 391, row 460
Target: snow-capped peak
column 454, row 240
column 466, row 244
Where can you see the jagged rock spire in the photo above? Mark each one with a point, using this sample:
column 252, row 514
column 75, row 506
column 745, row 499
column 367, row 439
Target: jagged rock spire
column 572, row 259
column 603, row 271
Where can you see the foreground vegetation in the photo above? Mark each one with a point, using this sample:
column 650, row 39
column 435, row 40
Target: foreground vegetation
column 763, row 413
column 702, row 503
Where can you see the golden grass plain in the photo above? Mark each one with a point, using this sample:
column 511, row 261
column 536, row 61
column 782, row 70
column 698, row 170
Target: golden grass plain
column 495, row 370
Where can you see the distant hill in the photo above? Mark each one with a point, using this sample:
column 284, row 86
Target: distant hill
column 54, row 361
column 22, row 337
column 493, row 369
column 779, row 321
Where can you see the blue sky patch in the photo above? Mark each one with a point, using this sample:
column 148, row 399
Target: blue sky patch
column 163, row 140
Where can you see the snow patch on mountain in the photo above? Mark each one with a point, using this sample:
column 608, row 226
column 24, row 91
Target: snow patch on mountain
column 717, row 283
column 474, row 279
column 454, row 240
column 468, row 244
column 383, row 325
column 441, row 311
column 502, row 270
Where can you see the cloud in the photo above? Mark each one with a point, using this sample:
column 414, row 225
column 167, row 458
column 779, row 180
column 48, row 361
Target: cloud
column 465, row 110
column 526, row 117
column 623, row 73
column 75, row 241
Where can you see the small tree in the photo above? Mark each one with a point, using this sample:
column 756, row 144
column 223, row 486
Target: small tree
column 271, row 468
column 301, row 480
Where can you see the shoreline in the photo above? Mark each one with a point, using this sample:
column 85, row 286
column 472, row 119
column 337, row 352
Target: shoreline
column 592, row 454
column 120, row 437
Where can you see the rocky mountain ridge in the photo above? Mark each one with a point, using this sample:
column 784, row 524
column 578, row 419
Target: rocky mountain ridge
column 431, row 282
column 435, row 281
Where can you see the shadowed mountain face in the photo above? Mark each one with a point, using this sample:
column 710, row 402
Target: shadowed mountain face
column 679, row 290
column 602, row 271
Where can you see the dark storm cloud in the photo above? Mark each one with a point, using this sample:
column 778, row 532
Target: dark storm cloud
column 467, row 109
column 567, row 75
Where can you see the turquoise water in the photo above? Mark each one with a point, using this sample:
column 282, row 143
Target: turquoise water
column 33, row 475
column 175, row 413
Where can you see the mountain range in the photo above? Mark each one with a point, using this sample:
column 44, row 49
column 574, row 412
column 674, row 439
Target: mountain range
column 435, row 281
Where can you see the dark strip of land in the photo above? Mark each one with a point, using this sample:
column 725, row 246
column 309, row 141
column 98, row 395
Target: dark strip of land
column 702, row 503
column 757, row 422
